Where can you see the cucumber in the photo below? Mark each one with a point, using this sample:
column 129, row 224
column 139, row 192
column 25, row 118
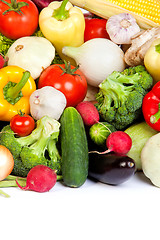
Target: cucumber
column 74, row 148
column 100, row 131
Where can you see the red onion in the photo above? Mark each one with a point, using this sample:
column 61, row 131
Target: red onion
column 42, row 3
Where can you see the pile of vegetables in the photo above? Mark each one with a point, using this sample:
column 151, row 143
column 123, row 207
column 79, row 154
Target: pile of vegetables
column 71, row 107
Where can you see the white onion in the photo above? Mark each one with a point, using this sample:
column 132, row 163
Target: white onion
column 97, row 58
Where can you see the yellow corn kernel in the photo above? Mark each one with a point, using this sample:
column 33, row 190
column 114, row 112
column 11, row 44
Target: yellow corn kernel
column 146, row 12
column 149, row 9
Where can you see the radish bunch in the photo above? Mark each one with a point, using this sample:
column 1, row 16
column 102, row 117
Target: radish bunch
column 118, row 141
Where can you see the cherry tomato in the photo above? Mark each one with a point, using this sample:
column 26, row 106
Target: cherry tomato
column 71, row 83
column 23, row 125
column 6, row 162
column 18, row 21
column 95, row 28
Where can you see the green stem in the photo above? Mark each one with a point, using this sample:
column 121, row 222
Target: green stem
column 157, row 48
column 14, row 6
column 61, row 13
column 12, row 177
column 67, row 69
column 13, row 91
column 12, row 183
column 59, row 177
column 154, row 118
column 4, row 194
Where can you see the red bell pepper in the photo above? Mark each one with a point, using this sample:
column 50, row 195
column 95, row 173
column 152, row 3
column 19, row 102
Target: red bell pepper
column 151, row 107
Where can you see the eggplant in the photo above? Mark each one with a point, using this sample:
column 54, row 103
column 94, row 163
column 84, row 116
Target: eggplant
column 110, row 168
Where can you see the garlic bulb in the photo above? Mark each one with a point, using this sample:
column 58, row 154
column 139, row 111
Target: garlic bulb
column 47, row 101
column 121, row 28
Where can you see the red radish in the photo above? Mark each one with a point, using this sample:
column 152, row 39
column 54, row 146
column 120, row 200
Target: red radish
column 88, row 112
column 40, row 179
column 118, row 142
column 2, row 61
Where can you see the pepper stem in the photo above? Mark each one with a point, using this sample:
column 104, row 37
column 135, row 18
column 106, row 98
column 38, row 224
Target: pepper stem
column 61, row 13
column 154, row 118
column 13, row 91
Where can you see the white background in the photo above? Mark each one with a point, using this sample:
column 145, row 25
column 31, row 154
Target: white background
column 94, row 211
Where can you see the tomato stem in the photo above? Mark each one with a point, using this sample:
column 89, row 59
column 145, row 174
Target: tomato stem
column 68, row 69
column 61, row 13
column 14, row 6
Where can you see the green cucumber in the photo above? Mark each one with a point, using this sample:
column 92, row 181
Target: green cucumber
column 100, row 131
column 74, row 148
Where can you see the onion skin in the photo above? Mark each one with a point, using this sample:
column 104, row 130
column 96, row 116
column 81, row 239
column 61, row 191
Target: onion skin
column 6, row 162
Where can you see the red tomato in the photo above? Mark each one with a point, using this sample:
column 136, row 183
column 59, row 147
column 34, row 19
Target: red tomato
column 95, row 28
column 23, row 125
column 15, row 24
column 72, row 85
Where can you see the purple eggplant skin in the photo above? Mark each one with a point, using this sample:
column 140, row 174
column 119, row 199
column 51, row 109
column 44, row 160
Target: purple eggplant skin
column 110, row 168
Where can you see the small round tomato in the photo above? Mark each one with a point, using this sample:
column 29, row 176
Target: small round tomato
column 67, row 79
column 22, row 125
column 95, row 28
column 18, row 18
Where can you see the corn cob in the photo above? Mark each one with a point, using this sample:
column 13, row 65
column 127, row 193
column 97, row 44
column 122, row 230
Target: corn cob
column 146, row 12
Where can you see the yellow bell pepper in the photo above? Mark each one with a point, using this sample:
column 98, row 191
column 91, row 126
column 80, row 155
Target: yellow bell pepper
column 16, row 86
column 63, row 25
column 152, row 60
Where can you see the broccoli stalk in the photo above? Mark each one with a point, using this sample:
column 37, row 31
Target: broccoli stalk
column 54, row 161
column 120, row 96
column 35, row 153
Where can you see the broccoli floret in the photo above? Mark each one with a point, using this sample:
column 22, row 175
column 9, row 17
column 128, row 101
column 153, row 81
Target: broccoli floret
column 19, row 168
column 8, row 139
column 5, row 44
column 35, row 148
column 121, row 94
